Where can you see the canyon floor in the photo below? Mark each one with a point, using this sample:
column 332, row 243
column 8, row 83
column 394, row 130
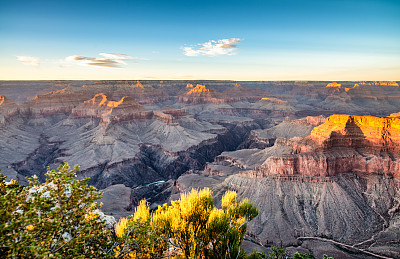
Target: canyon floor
column 321, row 160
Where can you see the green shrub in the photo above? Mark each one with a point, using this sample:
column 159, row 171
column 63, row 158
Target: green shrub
column 58, row 218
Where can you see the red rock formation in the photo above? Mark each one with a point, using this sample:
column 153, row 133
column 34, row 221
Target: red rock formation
column 166, row 118
column 300, row 82
column 56, row 102
column 343, row 144
column 199, row 95
column 197, row 90
column 334, row 84
column 138, row 84
column 99, row 106
column 375, row 133
column 4, row 102
column 384, row 83
column 396, row 115
column 331, row 163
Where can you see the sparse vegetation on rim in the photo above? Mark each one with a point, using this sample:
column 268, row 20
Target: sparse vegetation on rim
column 60, row 219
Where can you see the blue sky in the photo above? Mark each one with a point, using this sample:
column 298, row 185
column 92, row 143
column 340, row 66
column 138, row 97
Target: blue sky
column 188, row 39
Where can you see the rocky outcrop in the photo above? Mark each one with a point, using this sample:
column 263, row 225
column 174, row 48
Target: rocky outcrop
column 199, row 90
column 200, row 94
column 334, row 84
column 383, row 83
column 139, row 85
column 2, row 99
column 117, row 201
column 286, row 129
column 374, row 133
column 343, row 144
column 337, row 161
column 56, row 102
column 8, row 109
column 100, row 107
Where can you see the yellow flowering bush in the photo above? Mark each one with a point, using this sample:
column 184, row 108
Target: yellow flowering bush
column 139, row 237
column 194, row 227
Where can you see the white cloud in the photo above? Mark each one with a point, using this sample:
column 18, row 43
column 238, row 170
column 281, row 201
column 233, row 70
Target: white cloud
column 110, row 60
column 213, row 48
column 29, row 61
column 117, row 57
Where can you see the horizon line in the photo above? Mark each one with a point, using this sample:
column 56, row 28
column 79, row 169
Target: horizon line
column 284, row 80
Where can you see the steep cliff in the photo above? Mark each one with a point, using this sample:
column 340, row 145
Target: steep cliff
column 355, row 209
column 343, row 144
column 375, row 133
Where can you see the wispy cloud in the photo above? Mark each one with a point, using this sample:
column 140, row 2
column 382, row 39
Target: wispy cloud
column 109, row 60
column 213, row 48
column 29, row 61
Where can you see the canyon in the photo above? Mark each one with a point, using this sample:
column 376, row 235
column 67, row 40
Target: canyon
column 321, row 160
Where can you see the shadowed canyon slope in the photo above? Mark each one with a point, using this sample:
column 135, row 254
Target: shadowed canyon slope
column 313, row 170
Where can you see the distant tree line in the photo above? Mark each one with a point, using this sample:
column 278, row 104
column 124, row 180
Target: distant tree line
column 61, row 219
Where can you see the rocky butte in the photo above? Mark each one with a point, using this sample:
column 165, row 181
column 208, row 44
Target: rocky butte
column 324, row 181
column 197, row 90
column 334, row 84
column 342, row 144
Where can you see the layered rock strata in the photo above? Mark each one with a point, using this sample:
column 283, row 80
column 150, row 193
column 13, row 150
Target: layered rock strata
column 343, row 144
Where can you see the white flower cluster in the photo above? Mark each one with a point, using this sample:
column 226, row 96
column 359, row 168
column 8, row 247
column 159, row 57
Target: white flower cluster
column 45, row 191
column 110, row 220
column 66, row 236
column 19, row 210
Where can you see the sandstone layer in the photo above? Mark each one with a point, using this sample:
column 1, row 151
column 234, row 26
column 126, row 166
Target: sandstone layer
column 342, row 144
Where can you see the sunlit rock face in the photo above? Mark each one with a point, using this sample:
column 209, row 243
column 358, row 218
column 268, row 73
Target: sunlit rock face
column 100, row 107
column 315, row 147
column 334, row 84
column 5, row 102
column 197, row 90
column 200, row 94
column 381, row 83
column 139, row 85
column 375, row 133
column 343, row 144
